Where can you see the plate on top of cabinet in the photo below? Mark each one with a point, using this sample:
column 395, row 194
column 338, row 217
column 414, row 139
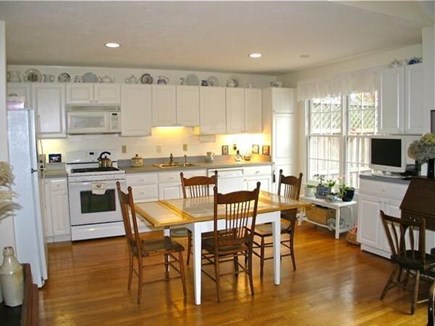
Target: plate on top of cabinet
column 90, row 77
column 192, row 80
column 33, row 75
column 64, row 78
column 146, row 79
column 213, row 81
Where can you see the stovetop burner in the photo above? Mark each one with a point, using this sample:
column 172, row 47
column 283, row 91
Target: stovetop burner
column 101, row 169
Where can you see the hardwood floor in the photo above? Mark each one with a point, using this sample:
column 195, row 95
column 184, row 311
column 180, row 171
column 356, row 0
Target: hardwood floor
column 334, row 284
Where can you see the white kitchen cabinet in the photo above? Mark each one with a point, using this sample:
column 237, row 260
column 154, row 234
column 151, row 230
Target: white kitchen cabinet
column 188, row 106
column 56, row 210
column 164, row 105
column 170, row 182
column 144, row 185
column 253, row 174
column 375, row 195
column 401, row 100
column 136, row 110
column 49, row 101
column 21, row 89
column 243, row 110
column 212, row 110
column 90, row 93
column 279, row 99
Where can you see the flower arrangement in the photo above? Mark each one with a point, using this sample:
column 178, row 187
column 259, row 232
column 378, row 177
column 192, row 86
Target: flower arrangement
column 423, row 149
column 324, row 188
column 7, row 206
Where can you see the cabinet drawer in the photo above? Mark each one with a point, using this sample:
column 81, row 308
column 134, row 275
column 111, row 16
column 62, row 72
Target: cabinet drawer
column 174, row 177
column 383, row 190
column 58, row 185
column 141, row 179
column 145, row 193
column 257, row 170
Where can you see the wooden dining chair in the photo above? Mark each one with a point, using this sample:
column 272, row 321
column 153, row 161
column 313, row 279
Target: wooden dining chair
column 288, row 186
column 140, row 249
column 406, row 238
column 197, row 186
column 231, row 234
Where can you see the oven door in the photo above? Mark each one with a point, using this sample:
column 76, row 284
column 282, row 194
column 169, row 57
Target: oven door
column 94, row 202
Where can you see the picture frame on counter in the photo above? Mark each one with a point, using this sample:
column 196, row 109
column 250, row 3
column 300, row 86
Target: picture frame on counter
column 224, row 149
column 265, row 150
column 255, row 149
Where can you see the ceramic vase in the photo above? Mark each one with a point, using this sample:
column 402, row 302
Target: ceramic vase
column 11, row 279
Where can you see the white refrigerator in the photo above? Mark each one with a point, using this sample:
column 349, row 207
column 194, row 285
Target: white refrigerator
column 28, row 224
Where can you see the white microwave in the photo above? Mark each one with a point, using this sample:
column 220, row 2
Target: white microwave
column 90, row 120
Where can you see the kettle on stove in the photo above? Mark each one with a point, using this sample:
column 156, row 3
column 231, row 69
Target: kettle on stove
column 104, row 162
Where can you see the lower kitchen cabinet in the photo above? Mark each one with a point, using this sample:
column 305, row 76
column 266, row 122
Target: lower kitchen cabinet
column 170, row 183
column 56, row 210
column 144, row 186
column 375, row 195
column 253, row 174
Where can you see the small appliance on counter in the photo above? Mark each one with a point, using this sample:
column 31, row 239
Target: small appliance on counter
column 136, row 161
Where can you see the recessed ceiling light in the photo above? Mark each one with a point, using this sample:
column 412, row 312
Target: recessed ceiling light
column 112, row 45
column 255, row 55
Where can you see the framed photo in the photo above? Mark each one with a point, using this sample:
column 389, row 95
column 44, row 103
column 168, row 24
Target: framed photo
column 255, row 149
column 224, row 149
column 265, row 150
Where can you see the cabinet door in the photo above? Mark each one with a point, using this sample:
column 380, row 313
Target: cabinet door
column 212, row 110
column 369, row 221
column 283, row 100
column 414, row 113
column 57, row 210
column 253, row 110
column 49, row 101
column 235, row 107
column 284, row 145
column 188, row 106
column 21, row 89
column 164, row 105
column 80, row 93
column 144, row 185
column 107, row 93
column 136, row 110
column 391, row 100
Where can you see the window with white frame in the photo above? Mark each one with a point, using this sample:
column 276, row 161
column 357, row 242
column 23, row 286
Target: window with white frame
column 339, row 130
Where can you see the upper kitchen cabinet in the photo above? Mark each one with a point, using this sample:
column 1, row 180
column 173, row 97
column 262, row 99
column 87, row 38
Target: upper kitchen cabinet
column 401, row 100
column 281, row 100
column 49, row 101
column 212, row 110
column 188, row 106
column 136, row 110
column 21, row 89
column 164, row 105
column 243, row 109
column 89, row 93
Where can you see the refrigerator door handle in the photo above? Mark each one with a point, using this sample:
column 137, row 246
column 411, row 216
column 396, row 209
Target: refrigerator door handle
column 33, row 170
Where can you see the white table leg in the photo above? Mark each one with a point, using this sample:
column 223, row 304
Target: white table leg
column 276, row 230
column 167, row 232
column 337, row 223
column 196, row 238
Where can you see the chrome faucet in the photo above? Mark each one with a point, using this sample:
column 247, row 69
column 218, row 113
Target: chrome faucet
column 171, row 159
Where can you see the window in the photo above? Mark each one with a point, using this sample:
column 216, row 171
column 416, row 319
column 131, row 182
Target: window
column 339, row 130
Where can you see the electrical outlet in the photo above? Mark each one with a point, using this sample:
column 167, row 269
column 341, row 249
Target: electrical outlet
column 185, row 147
column 159, row 148
column 124, row 149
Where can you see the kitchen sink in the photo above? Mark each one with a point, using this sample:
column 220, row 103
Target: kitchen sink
column 173, row 165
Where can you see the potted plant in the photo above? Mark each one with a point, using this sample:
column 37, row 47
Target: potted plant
column 324, row 188
column 310, row 190
column 346, row 192
column 423, row 151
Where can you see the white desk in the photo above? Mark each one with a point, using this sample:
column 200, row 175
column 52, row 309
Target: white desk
column 197, row 215
column 336, row 205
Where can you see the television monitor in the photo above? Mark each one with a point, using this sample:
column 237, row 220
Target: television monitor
column 388, row 155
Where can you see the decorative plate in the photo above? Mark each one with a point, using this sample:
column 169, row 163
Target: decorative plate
column 64, row 78
column 33, row 75
column 146, row 79
column 89, row 77
column 192, row 80
column 213, row 81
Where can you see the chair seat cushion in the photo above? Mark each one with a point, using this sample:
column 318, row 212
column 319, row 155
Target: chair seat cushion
column 412, row 261
column 265, row 230
column 160, row 246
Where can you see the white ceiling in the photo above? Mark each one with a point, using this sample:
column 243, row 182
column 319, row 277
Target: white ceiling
column 208, row 36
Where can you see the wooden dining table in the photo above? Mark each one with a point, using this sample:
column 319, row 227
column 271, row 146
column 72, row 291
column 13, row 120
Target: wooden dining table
column 196, row 214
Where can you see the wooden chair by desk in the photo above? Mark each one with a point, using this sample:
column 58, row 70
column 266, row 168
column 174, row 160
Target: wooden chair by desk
column 235, row 239
column 288, row 186
column 197, row 186
column 140, row 249
column 407, row 241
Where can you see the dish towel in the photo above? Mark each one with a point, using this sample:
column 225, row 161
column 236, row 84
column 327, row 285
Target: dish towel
column 98, row 188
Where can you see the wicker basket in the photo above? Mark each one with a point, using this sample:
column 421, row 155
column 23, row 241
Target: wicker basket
column 319, row 214
column 351, row 236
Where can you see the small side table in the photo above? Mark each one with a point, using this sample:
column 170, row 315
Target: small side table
column 336, row 205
